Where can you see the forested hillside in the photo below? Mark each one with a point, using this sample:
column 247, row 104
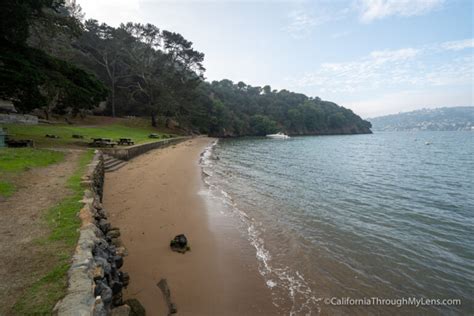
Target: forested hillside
column 441, row 119
column 55, row 62
column 229, row 109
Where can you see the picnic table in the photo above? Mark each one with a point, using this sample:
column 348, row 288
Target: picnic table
column 125, row 141
column 102, row 142
column 19, row 143
column 153, row 135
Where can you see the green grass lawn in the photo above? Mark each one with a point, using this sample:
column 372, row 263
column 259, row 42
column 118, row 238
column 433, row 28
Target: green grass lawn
column 13, row 161
column 21, row 159
column 6, row 188
column 64, row 223
column 139, row 134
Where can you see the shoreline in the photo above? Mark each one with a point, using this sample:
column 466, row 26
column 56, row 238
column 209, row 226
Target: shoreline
column 159, row 195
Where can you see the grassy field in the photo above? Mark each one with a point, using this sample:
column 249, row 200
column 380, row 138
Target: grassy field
column 64, row 223
column 6, row 188
column 139, row 134
column 13, row 161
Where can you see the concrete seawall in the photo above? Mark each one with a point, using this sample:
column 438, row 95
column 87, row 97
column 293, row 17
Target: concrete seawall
column 127, row 153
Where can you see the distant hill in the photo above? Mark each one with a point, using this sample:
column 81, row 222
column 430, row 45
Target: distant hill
column 441, row 119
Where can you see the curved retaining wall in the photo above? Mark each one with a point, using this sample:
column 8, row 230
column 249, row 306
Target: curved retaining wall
column 94, row 280
column 127, row 153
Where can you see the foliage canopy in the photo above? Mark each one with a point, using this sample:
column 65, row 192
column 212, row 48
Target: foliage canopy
column 147, row 72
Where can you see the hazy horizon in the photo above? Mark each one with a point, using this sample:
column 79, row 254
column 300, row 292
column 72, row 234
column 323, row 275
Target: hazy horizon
column 374, row 57
column 423, row 108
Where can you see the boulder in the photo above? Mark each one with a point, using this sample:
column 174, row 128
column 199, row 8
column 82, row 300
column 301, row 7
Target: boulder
column 179, row 244
column 116, row 287
column 113, row 233
column 98, row 273
column 136, row 308
column 104, row 292
column 124, row 278
column 121, row 251
column 117, row 300
column 104, row 226
column 118, row 261
column 116, row 242
column 123, row 310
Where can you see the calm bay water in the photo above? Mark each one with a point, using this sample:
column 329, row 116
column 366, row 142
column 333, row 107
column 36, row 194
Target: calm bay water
column 359, row 216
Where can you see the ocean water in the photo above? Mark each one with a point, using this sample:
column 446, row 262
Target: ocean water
column 361, row 216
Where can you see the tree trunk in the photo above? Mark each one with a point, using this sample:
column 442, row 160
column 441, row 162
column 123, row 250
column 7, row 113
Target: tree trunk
column 113, row 99
column 153, row 119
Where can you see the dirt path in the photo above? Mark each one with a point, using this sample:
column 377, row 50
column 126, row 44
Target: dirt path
column 21, row 224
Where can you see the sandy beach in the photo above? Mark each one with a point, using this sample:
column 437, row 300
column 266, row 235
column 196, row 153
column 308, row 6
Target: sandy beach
column 157, row 196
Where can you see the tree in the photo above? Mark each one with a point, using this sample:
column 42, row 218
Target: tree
column 267, row 89
column 262, row 125
column 148, row 71
column 245, row 110
column 163, row 66
column 103, row 45
column 16, row 17
column 30, row 77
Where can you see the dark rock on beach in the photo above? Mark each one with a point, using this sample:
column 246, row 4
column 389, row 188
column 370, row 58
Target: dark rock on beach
column 179, row 244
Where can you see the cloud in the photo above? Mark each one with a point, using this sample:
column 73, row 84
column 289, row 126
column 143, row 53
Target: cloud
column 302, row 22
column 388, row 69
column 341, row 34
column 458, row 45
column 369, row 71
column 371, row 10
column 393, row 55
column 112, row 12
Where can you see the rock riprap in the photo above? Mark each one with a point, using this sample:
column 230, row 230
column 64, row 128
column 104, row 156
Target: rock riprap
column 95, row 282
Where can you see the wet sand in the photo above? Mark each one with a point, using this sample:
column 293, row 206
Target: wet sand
column 155, row 197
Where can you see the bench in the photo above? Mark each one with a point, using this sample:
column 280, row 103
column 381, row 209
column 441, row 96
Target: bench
column 16, row 143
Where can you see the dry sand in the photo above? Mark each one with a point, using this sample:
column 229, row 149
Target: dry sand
column 155, row 197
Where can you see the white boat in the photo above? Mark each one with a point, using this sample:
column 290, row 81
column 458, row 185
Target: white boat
column 278, row 136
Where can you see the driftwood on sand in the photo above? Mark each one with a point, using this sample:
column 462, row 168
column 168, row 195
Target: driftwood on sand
column 163, row 285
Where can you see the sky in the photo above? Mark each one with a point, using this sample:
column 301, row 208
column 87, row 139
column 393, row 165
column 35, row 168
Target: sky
column 375, row 57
